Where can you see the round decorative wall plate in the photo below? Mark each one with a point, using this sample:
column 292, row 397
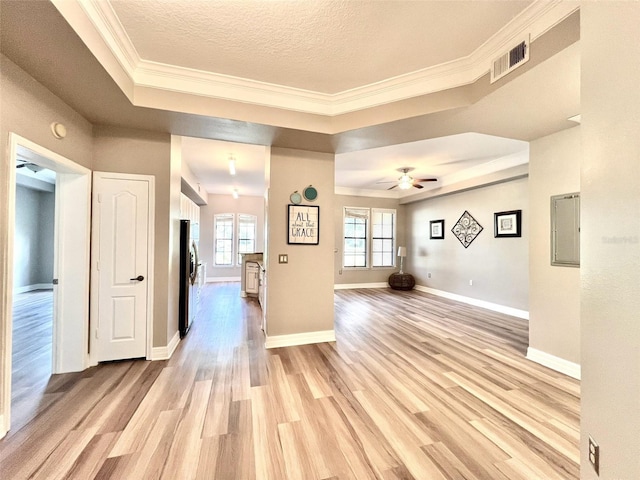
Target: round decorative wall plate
column 310, row 193
column 295, row 198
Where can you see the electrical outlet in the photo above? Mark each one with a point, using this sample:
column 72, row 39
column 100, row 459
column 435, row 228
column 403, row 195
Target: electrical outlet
column 471, row 283
column 594, row 455
column 429, row 275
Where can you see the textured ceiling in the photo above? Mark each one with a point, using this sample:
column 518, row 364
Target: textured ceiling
column 325, row 46
column 532, row 102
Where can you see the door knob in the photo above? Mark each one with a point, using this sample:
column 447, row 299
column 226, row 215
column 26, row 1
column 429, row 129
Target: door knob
column 138, row 278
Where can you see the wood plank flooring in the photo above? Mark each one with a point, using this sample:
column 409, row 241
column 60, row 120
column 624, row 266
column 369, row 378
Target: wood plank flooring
column 415, row 387
column 32, row 337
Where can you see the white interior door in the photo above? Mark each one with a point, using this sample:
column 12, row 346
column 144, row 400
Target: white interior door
column 121, row 248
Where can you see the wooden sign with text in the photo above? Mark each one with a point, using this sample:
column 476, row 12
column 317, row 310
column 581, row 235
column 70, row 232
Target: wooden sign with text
column 303, row 225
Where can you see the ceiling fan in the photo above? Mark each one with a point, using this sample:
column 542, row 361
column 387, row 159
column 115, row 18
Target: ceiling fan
column 406, row 181
column 31, row 166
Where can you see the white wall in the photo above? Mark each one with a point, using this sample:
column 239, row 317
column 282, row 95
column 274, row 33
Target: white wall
column 498, row 267
column 227, row 204
column 610, row 248
column 554, row 291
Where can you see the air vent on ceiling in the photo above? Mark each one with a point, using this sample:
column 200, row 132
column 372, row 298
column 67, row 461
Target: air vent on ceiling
column 510, row 60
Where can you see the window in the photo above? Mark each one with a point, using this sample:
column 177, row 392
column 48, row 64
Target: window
column 246, row 234
column 223, row 239
column 383, row 238
column 355, row 237
column 369, row 237
column 229, row 243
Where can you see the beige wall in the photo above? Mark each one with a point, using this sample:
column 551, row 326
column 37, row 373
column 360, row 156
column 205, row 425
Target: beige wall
column 610, row 270
column 300, row 293
column 27, row 109
column 130, row 151
column 498, row 267
column 554, row 292
column 173, row 258
column 227, row 204
column 346, row 276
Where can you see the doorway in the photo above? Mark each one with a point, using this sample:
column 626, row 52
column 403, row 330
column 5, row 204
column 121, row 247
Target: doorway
column 70, row 302
column 33, row 256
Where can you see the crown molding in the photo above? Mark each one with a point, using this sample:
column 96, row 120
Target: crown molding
column 99, row 27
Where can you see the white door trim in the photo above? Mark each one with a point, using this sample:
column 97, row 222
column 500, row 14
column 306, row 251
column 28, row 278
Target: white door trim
column 70, row 330
column 95, row 236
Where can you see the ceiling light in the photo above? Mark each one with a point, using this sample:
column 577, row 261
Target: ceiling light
column 405, row 182
column 232, row 165
column 235, row 193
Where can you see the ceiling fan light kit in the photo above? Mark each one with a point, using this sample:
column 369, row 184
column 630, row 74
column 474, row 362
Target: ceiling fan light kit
column 406, row 181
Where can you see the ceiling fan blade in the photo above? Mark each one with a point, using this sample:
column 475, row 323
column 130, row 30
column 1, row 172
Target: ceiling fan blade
column 420, row 180
column 387, row 181
column 21, row 165
column 417, row 185
column 391, row 188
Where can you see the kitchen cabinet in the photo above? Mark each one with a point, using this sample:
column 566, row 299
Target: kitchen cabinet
column 252, row 277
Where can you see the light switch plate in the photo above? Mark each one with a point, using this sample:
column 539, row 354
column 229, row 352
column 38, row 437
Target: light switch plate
column 283, row 258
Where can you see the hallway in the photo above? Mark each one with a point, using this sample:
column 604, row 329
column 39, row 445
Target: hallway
column 416, row 386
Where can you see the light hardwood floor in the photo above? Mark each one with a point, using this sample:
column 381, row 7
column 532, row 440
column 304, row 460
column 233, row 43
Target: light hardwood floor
column 32, row 337
column 414, row 387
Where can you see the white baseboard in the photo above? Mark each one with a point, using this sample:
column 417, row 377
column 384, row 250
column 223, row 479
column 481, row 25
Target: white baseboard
column 300, row 339
column 222, row 279
column 514, row 312
column 3, row 428
column 31, row 288
column 347, row 286
column 558, row 364
column 164, row 353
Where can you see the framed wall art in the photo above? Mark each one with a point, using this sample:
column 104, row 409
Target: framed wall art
column 508, row 224
column 466, row 229
column 303, row 224
column 436, row 230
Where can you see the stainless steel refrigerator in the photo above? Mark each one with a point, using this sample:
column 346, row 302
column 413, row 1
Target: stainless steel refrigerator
column 188, row 277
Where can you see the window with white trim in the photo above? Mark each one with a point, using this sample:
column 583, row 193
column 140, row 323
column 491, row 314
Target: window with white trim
column 383, row 224
column 246, row 234
column 355, row 237
column 223, row 239
column 369, row 237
